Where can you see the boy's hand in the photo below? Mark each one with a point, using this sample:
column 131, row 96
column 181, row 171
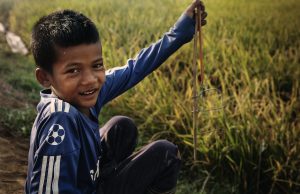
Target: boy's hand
column 190, row 11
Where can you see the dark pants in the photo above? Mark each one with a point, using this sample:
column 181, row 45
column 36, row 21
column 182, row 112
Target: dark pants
column 152, row 169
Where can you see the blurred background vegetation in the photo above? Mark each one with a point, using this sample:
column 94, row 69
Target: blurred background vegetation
column 251, row 54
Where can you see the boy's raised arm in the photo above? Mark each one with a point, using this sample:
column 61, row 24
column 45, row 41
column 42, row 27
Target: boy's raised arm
column 120, row 79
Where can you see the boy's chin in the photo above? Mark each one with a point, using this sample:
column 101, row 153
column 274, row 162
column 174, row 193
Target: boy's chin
column 85, row 106
column 89, row 105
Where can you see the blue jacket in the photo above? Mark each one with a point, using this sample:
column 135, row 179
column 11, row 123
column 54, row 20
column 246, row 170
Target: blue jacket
column 65, row 147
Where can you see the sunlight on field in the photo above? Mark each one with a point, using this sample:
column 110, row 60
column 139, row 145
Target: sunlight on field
column 251, row 55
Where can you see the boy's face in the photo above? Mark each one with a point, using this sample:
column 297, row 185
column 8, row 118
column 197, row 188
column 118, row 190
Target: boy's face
column 78, row 75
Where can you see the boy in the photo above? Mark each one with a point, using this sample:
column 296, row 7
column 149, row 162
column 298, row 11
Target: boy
column 68, row 153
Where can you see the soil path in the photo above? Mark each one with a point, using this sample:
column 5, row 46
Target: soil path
column 13, row 162
column 13, row 148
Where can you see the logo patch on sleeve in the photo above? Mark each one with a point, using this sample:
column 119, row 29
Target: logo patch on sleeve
column 56, row 134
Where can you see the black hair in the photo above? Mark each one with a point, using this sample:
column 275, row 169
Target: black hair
column 60, row 29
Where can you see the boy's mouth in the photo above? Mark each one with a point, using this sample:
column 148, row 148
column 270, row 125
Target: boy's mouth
column 87, row 93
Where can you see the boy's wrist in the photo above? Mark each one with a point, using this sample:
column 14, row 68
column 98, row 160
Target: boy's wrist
column 189, row 14
column 185, row 21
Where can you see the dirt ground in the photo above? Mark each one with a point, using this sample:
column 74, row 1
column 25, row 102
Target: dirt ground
column 13, row 148
column 13, row 162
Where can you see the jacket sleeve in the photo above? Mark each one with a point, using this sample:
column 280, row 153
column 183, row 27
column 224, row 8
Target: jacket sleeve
column 56, row 158
column 120, row 79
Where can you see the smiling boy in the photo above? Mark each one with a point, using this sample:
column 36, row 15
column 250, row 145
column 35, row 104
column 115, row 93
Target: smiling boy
column 77, row 76
column 68, row 153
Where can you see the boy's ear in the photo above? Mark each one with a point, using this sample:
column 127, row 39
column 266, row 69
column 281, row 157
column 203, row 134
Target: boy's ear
column 43, row 77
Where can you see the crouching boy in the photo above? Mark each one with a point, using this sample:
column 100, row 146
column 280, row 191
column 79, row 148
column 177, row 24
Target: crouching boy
column 68, row 152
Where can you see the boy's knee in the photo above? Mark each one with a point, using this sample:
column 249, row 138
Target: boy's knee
column 166, row 149
column 124, row 128
column 121, row 125
column 122, row 120
column 118, row 138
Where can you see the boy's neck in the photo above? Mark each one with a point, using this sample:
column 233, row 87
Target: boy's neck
column 85, row 111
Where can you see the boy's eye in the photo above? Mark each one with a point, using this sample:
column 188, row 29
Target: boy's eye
column 73, row 71
column 99, row 66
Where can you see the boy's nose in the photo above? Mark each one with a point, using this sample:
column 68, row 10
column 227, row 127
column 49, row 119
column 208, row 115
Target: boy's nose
column 88, row 77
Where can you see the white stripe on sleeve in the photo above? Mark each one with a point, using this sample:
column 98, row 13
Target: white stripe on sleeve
column 112, row 70
column 42, row 178
column 50, row 173
column 56, row 175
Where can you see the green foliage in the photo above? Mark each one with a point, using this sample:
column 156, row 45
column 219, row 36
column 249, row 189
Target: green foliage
column 5, row 7
column 19, row 91
column 19, row 121
column 18, row 71
column 251, row 54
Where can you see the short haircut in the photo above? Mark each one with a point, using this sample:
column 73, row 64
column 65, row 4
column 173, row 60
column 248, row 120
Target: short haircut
column 60, row 29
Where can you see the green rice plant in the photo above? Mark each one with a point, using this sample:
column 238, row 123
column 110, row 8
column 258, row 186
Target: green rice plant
column 251, row 51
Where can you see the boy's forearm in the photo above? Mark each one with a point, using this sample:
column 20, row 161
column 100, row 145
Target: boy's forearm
column 120, row 79
column 152, row 57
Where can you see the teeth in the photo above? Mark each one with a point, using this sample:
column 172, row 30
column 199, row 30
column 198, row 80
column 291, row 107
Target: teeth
column 88, row 92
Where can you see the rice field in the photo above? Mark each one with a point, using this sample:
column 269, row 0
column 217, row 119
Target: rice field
column 251, row 55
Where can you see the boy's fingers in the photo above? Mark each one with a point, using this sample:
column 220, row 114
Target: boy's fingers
column 204, row 15
column 195, row 4
column 198, row 3
column 202, row 7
